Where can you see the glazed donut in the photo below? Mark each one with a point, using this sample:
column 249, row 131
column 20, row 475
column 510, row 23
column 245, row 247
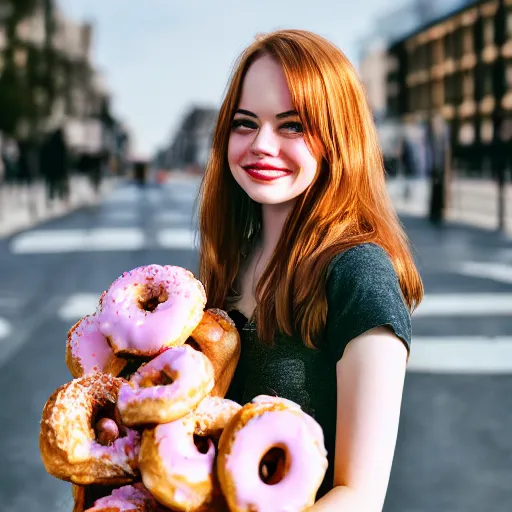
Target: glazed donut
column 217, row 338
column 133, row 498
column 178, row 468
column 166, row 388
column 151, row 308
column 87, row 350
column 271, row 454
column 72, row 427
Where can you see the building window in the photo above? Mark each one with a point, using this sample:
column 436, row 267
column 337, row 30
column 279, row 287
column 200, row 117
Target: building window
column 448, row 45
column 488, row 31
column 438, row 93
column 458, row 41
column 449, row 89
column 486, row 130
column 509, row 23
column 467, row 134
column 468, row 40
column 508, row 76
column 486, row 81
column 468, row 84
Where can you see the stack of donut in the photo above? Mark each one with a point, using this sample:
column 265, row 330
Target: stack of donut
column 144, row 425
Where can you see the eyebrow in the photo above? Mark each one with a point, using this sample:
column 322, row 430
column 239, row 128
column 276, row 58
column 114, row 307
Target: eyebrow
column 282, row 115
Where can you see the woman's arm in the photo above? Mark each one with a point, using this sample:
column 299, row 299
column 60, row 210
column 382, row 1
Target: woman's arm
column 370, row 379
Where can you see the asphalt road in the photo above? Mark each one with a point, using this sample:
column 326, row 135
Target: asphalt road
column 454, row 449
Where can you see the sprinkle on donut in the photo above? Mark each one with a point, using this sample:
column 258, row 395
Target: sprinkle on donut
column 88, row 351
column 166, row 388
column 151, row 308
column 69, row 447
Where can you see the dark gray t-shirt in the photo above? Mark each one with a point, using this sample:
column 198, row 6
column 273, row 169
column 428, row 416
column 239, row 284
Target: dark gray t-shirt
column 362, row 292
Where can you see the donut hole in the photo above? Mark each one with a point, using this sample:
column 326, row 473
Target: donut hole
column 163, row 377
column 151, row 297
column 274, row 465
column 193, row 343
column 202, row 443
column 107, row 425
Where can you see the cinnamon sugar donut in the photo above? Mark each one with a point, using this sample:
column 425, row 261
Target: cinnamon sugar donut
column 179, row 470
column 271, row 453
column 71, row 430
column 151, row 308
column 87, row 350
column 166, row 388
column 217, row 338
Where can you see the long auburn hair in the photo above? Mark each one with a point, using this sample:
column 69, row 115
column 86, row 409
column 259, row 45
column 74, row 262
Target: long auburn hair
column 346, row 205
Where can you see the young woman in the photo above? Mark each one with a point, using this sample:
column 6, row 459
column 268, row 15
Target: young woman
column 299, row 240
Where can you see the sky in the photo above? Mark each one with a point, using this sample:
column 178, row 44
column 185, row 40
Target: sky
column 160, row 57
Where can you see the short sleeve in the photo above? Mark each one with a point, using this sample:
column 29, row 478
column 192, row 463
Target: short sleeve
column 363, row 292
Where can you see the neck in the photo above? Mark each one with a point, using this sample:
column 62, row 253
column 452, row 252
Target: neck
column 274, row 217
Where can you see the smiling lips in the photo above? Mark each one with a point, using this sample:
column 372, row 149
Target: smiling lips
column 264, row 172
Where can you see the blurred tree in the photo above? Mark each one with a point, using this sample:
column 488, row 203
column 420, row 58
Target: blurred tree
column 27, row 87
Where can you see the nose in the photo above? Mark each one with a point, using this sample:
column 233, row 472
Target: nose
column 265, row 142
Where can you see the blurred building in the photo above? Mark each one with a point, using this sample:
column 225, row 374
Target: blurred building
column 52, row 54
column 458, row 66
column 374, row 65
column 191, row 144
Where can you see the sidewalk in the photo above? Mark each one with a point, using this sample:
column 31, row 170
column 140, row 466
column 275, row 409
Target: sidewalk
column 22, row 206
column 470, row 202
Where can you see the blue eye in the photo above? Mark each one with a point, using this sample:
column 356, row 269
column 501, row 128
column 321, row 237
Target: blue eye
column 293, row 127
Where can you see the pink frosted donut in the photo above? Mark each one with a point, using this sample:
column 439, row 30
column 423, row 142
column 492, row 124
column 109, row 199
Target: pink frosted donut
column 151, row 308
column 271, row 454
column 88, row 351
column 179, row 472
column 166, row 388
column 133, row 498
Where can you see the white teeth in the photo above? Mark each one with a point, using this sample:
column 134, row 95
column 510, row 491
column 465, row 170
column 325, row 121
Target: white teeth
column 270, row 172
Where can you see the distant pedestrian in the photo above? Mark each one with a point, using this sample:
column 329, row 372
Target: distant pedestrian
column 55, row 166
column 438, row 156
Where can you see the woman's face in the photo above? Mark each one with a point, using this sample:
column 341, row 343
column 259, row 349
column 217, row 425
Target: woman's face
column 267, row 152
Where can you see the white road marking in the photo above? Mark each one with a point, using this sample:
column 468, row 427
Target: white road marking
column 120, row 215
column 169, row 216
column 5, row 328
column 77, row 306
column 115, row 239
column 59, row 241
column 500, row 272
column 177, row 238
column 123, row 194
column 461, row 355
column 465, row 304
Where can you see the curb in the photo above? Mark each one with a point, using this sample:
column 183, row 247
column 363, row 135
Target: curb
column 12, row 225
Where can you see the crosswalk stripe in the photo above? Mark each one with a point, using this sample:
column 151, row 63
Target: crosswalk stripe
column 176, row 238
column 461, row 355
column 99, row 239
column 73, row 240
column 500, row 272
column 465, row 304
column 5, row 328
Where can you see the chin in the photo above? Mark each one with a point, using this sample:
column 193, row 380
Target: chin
column 269, row 198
